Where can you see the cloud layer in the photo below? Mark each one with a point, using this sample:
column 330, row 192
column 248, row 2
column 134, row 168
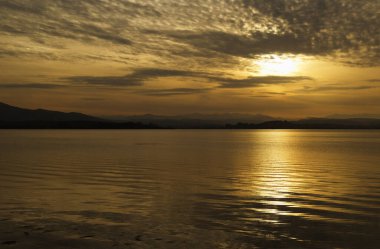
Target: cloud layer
column 243, row 28
column 138, row 77
column 132, row 51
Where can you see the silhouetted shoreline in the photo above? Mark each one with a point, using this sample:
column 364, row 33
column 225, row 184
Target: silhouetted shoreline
column 75, row 125
column 137, row 125
column 19, row 118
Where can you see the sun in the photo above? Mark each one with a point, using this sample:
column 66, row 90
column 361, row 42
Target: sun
column 277, row 65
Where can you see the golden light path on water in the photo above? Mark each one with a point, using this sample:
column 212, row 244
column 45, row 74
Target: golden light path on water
column 274, row 182
column 275, row 175
column 239, row 188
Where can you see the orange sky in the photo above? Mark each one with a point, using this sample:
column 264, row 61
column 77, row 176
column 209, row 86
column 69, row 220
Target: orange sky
column 282, row 58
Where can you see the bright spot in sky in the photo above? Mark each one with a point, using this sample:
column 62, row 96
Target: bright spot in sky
column 277, row 65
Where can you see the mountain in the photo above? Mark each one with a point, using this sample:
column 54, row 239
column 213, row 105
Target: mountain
column 15, row 114
column 195, row 120
column 18, row 118
column 351, row 116
column 341, row 123
column 313, row 123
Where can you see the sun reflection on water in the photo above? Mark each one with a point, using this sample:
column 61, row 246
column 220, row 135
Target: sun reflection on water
column 272, row 176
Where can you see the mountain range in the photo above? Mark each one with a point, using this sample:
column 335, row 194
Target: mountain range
column 195, row 120
column 10, row 113
column 15, row 117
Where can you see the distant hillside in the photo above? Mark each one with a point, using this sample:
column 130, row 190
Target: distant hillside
column 313, row 123
column 343, row 123
column 18, row 118
column 15, row 114
column 195, row 120
column 347, row 116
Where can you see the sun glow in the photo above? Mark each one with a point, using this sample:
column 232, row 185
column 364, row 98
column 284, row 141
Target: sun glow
column 277, row 65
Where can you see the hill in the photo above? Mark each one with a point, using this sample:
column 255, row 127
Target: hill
column 12, row 117
column 18, row 118
column 195, row 120
column 15, row 114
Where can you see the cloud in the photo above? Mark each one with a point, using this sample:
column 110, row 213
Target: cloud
column 247, row 46
column 268, row 94
column 136, row 78
column 93, row 99
column 334, row 87
column 17, row 52
column 86, row 32
column 274, row 93
column 308, row 27
column 156, row 73
column 69, row 29
column 77, row 20
column 30, row 86
column 174, row 91
column 374, row 80
column 260, row 80
column 209, row 47
column 105, row 80
column 195, row 30
column 139, row 76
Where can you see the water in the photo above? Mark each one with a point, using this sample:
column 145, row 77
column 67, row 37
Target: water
column 189, row 189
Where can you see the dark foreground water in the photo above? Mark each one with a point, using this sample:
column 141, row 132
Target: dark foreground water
column 189, row 189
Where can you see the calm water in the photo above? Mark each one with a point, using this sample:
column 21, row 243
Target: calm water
column 189, row 189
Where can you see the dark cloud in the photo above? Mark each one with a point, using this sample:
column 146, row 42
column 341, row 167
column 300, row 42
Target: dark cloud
column 259, row 81
column 347, row 29
column 156, row 73
column 106, row 80
column 70, row 29
column 348, row 26
column 268, row 94
column 209, row 47
column 17, row 53
column 311, row 27
column 374, row 80
column 93, row 99
column 29, row 86
column 247, row 46
column 174, row 91
column 261, row 96
column 77, row 20
column 37, row 8
column 274, row 93
column 85, row 31
column 336, row 88
column 137, row 78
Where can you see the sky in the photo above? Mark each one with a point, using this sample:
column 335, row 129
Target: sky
column 285, row 58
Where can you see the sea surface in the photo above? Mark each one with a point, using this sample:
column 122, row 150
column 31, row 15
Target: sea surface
column 189, row 189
